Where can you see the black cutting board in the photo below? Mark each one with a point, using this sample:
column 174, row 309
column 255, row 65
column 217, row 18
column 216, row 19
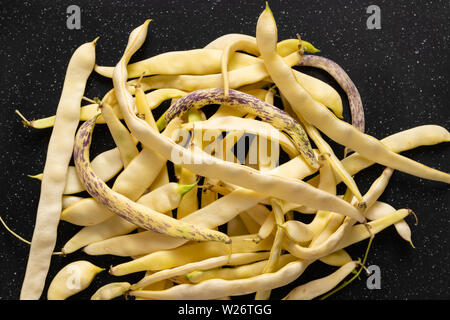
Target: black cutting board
column 400, row 70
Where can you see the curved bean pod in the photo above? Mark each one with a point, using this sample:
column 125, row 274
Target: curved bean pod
column 340, row 131
column 73, row 278
column 342, row 78
column 133, row 212
column 247, row 103
column 238, row 272
column 195, row 62
column 124, row 141
column 380, row 210
column 106, row 165
column 188, row 253
column 425, row 135
column 232, row 259
column 315, row 288
column 111, row 290
column 216, row 288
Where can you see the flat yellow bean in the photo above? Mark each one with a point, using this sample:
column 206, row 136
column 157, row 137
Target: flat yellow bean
column 57, row 162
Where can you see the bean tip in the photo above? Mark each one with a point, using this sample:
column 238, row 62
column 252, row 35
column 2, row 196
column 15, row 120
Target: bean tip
column 111, row 270
column 25, row 121
column 94, row 42
column 414, row 215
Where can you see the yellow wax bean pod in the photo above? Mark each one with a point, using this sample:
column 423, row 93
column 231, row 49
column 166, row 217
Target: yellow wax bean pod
column 359, row 232
column 275, row 251
column 165, row 259
column 335, row 230
column 206, row 165
column 377, row 188
column 337, row 258
column 155, row 98
column 120, row 134
column 237, row 78
column 325, row 95
column 216, row 288
column 315, row 288
column 262, row 84
column 236, row 227
column 86, row 113
column 240, row 44
column 339, row 131
column 284, row 47
column 380, row 210
column 207, row 195
column 72, row 279
column 322, row 249
column 327, row 183
column 239, row 272
column 297, row 231
column 334, row 222
column 267, row 226
column 106, row 165
column 334, row 162
column 424, row 135
column 131, row 182
column 258, row 93
column 221, row 42
column 213, row 215
column 328, row 225
column 161, row 180
column 111, row 290
column 195, row 61
column 258, row 213
column 163, row 199
column 251, row 225
column 67, row 201
column 134, row 212
column 59, row 153
column 231, row 260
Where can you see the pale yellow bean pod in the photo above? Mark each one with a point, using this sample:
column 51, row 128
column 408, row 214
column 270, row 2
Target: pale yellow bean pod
column 72, row 279
column 111, row 290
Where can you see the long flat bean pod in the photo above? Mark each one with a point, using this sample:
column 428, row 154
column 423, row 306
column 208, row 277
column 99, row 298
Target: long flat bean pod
column 59, row 153
column 195, row 61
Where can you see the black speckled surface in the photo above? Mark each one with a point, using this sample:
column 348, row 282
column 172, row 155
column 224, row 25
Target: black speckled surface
column 401, row 72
